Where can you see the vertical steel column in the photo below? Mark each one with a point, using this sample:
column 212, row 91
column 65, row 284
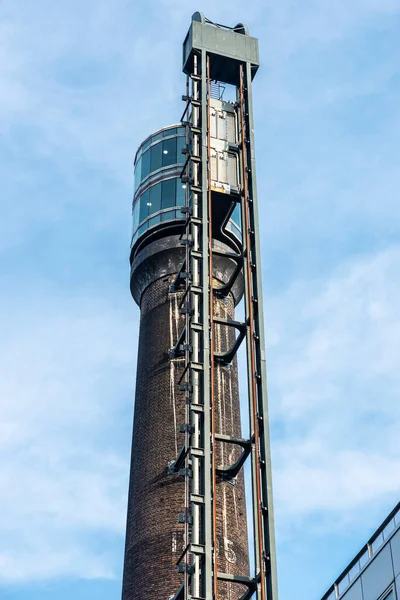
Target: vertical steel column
column 265, row 552
column 208, row 488
column 202, row 58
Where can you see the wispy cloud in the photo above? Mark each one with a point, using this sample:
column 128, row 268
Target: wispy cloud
column 66, row 385
column 80, row 86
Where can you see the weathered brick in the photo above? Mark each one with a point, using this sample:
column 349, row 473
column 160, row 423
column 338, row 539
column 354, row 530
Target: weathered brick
column 153, row 536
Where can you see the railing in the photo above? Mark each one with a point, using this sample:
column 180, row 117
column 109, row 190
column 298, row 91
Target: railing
column 366, row 554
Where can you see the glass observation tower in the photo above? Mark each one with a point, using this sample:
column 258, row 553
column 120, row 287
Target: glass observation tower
column 159, row 193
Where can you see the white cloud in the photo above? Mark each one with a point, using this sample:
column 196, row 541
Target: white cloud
column 67, row 371
column 333, row 373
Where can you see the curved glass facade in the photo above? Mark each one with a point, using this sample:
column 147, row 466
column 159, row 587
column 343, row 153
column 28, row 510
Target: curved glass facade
column 159, row 193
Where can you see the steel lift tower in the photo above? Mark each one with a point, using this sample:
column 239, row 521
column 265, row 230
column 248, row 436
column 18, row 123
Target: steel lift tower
column 195, row 253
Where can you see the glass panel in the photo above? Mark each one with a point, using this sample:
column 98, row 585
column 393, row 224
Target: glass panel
column 377, row 543
column 168, row 193
column 343, row 584
column 169, row 152
column 395, row 546
column 354, row 571
column 171, row 131
column 168, row 216
column 181, row 130
column 135, row 217
column 181, row 144
column 155, row 198
column 156, row 137
column 146, row 144
column 388, row 529
column 154, row 220
column 145, row 164
column 180, row 193
column 364, row 559
column 379, row 574
column 156, row 157
column 138, row 172
column 143, row 228
column 144, row 206
column 236, row 218
column 354, row 592
column 397, row 518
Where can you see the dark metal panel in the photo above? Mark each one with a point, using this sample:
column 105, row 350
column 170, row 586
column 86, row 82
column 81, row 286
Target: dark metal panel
column 378, row 576
column 395, row 545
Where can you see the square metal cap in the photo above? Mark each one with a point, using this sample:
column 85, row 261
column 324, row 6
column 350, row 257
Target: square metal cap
column 229, row 46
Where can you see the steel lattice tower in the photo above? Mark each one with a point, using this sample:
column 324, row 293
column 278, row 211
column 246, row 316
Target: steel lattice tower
column 194, row 256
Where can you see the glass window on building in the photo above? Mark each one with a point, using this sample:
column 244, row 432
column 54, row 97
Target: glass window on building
column 145, row 164
column 155, row 198
column 171, row 131
column 138, row 173
column 146, row 144
column 156, row 137
column 143, row 228
column 156, row 160
column 354, row 592
column 180, row 193
column 169, row 152
column 236, row 218
column 180, row 145
column 378, row 575
column 168, row 216
column 154, row 220
column 144, row 201
column 168, row 193
column 135, row 217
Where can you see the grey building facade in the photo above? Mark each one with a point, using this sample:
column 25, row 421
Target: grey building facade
column 374, row 573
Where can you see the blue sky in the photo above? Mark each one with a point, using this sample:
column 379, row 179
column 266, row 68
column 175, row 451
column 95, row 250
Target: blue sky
column 81, row 84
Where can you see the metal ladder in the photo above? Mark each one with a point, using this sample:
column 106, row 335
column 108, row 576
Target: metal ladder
column 196, row 461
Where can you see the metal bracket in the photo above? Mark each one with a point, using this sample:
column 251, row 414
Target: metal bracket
column 226, row 473
column 225, row 358
column 178, row 351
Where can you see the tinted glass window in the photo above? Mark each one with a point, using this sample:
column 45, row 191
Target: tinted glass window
column 146, row 144
column 379, row 575
column 155, row 198
column 169, row 152
column 145, row 164
column 135, row 217
column 168, row 216
column 236, row 215
column 180, row 193
column 156, row 157
column 171, row 131
column 143, row 228
column 181, row 144
column 168, row 193
column 144, row 206
column 156, row 137
column 355, row 592
column 138, row 172
column 154, row 220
